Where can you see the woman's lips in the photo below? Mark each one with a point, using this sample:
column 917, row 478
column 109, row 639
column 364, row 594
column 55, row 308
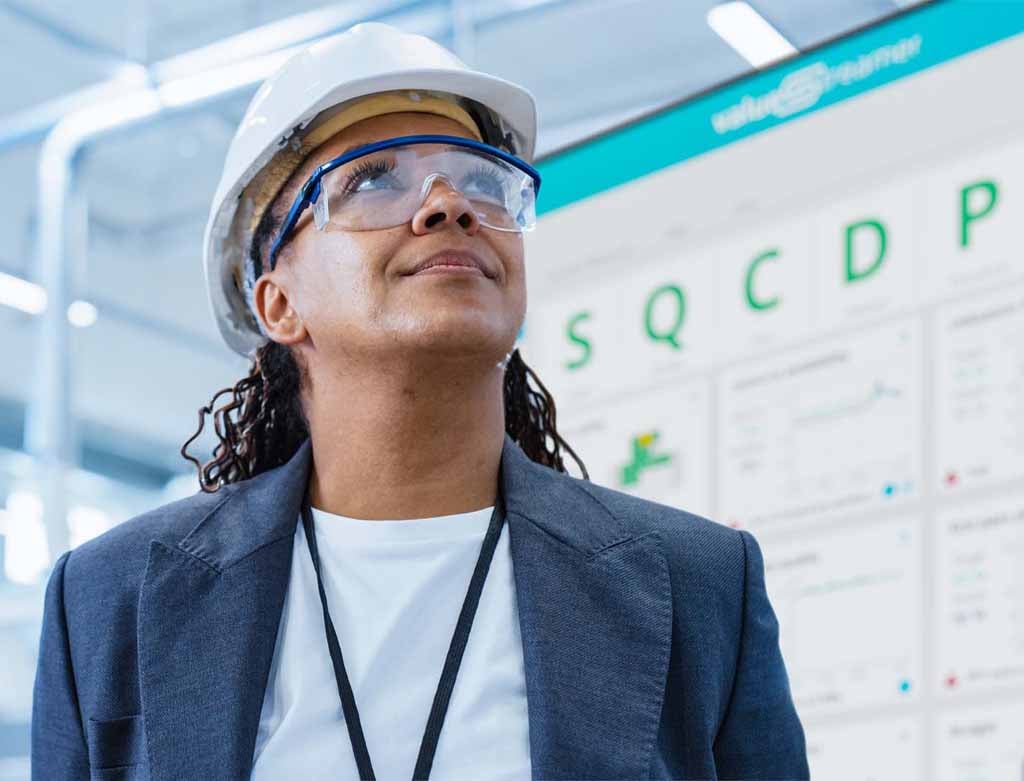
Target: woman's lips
column 445, row 268
column 452, row 258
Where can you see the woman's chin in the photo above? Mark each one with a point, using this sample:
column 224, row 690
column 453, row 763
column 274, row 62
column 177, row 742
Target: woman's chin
column 459, row 336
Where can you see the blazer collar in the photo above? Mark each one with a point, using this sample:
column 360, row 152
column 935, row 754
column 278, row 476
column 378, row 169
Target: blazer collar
column 265, row 509
column 594, row 603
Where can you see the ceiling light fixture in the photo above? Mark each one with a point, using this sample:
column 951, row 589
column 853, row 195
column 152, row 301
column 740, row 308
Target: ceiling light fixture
column 749, row 34
column 22, row 294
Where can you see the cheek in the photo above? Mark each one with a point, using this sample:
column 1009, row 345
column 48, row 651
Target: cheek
column 517, row 274
column 341, row 275
column 511, row 253
column 509, row 247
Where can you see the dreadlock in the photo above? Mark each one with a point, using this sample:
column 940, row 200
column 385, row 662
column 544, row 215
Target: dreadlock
column 263, row 423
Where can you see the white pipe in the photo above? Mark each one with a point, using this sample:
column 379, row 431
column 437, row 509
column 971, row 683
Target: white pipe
column 49, row 425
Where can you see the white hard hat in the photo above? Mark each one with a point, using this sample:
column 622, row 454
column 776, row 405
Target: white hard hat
column 301, row 96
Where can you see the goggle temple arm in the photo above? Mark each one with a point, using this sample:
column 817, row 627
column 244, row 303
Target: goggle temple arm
column 309, row 193
column 319, row 207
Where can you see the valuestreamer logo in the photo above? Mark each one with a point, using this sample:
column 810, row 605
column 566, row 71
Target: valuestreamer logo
column 803, row 88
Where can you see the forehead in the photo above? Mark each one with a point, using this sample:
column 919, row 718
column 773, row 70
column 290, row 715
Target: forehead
column 379, row 128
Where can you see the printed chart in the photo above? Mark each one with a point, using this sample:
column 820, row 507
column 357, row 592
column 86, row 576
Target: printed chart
column 822, row 431
column 980, row 391
column 888, row 748
column 870, row 578
column 981, row 744
column 980, row 596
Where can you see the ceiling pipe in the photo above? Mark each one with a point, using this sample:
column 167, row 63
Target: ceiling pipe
column 33, row 124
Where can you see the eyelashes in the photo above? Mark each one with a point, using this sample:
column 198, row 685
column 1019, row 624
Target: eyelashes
column 365, row 168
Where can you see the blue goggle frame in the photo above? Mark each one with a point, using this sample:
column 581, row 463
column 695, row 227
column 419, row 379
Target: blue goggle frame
column 311, row 189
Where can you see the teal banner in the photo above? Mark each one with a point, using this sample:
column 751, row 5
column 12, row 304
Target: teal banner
column 894, row 49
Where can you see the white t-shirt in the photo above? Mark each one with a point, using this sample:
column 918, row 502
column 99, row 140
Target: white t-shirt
column 395, row 589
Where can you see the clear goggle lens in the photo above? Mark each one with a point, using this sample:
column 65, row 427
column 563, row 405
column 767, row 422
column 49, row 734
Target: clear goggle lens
column 384, row 189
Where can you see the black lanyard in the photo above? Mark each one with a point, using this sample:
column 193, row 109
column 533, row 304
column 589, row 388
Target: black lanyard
column 451, row 664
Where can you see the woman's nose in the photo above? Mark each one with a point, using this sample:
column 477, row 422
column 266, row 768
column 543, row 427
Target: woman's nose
column 443, row 205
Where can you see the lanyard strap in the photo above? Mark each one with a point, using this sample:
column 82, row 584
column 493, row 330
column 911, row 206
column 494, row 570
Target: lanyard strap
column 428, row 745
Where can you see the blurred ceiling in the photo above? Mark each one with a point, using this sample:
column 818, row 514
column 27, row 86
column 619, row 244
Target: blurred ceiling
column 153, row 356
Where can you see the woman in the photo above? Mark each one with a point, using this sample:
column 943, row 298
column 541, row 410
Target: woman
column 308, row 614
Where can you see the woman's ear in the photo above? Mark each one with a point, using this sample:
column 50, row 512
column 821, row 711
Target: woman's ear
column 274, row 309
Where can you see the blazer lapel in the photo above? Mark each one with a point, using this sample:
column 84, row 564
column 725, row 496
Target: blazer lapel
column 595, row 614
column 209, row 610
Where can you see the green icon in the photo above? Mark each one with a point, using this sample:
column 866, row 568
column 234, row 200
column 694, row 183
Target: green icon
column 643, row 458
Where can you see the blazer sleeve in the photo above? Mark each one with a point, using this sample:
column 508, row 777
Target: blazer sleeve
column 58, row 741
column 761, row 736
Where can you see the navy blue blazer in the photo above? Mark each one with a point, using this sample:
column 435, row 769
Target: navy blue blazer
column 650, row 646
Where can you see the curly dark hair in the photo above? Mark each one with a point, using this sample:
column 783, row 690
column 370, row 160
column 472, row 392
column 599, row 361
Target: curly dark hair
column 263, row 423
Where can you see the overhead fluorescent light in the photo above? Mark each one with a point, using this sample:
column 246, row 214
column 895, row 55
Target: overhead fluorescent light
column 31, row 298
column 22, row 294
column 81, row 314
column 749, row 34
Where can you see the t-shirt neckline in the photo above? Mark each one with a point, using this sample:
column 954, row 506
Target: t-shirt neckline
column 472, row 524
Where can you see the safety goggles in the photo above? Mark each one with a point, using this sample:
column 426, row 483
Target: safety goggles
column 383, row 184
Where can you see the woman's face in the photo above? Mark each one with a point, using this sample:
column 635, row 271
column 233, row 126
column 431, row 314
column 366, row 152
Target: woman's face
column 339, row 294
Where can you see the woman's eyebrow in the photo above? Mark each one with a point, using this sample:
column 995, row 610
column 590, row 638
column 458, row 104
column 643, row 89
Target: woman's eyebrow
column 348, row 149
